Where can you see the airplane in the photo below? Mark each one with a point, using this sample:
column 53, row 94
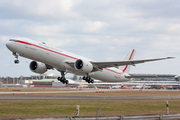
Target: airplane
column 46, row 57
column 142, row 86
column 121, row 87
column 117, row 86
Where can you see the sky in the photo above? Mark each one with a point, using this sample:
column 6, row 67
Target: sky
column 102, row 30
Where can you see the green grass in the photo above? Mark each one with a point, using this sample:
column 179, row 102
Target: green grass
column 63, row 108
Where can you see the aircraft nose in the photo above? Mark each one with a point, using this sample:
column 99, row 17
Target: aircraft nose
column 9, row 45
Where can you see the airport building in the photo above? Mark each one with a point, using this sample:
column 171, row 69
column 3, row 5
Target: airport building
column 49, row 80
column 159, row 77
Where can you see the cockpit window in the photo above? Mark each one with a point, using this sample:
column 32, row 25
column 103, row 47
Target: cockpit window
column 13, row 40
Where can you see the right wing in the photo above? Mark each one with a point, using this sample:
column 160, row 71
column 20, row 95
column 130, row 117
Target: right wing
column 100, row 65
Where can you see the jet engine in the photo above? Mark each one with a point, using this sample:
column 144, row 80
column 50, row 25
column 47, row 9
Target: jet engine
column 38, row 67
column 83, row 65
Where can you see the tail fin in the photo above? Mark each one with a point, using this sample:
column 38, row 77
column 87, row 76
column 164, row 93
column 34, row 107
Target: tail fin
column 122, row 86
column 130, row 56
column 144, row 85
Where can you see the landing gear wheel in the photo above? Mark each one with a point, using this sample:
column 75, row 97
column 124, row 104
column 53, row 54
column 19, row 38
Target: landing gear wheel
column 92, row 81
column 63, row 79
column 67, row 82
column 84, row 78
column 88, row 79
column 59, row 78
column 63, row 82
column 16, row 61
column 16, row 56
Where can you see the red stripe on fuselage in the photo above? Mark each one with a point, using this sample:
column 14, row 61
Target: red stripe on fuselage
column 60, row 54
column 113, row 71
column 47, row 49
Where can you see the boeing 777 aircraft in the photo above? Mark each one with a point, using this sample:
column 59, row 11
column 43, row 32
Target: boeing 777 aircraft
column 46, row 57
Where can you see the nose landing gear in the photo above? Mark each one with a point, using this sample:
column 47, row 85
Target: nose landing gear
column 16, row 61
column 16, row 56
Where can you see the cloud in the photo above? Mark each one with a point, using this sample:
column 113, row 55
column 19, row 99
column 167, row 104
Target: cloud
column 94, row 26
column 4, row 39
column 38, row 9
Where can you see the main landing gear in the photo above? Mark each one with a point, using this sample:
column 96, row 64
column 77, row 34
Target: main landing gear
column 88, row 79
column 63, row 79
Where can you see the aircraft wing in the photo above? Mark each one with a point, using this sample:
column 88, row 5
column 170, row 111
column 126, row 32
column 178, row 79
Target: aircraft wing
column 101, row 65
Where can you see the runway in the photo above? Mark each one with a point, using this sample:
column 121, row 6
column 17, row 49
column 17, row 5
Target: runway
column 89, row 98
column 46, row 92
column 75, row 91
column 12, row 96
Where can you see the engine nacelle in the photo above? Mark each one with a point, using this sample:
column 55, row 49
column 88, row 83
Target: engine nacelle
column 38, row 67
column 83, row 65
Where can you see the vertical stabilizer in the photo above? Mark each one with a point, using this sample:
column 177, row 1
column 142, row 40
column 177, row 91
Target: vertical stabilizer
column 130, row 56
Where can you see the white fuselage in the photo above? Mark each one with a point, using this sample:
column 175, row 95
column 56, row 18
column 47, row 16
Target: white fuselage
column 57, row 58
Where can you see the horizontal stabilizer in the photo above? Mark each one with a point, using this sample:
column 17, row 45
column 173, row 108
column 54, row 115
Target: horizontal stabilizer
column 140, row 76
